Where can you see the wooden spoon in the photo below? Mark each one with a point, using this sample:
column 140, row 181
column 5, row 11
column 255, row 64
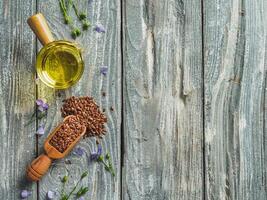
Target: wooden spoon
column 41, row 164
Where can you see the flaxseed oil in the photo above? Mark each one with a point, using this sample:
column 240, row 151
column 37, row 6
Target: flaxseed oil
column 59, row 64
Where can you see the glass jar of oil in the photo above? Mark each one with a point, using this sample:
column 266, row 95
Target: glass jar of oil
column 59, row 64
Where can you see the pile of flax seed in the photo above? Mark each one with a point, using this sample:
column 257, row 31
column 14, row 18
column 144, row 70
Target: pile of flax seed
column 88, row 112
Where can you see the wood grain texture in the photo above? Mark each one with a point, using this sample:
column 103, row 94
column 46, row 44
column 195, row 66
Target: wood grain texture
column 163, row 83
column 17, row 95
column 162, row 100
column 99, row 49
column 235, row 35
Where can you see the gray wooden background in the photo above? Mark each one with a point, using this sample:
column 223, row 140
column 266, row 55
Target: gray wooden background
column 186, row 79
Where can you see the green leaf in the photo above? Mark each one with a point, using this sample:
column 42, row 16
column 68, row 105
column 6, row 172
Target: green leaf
column 113, row 173
column 107, row 168
column 86, row 25
column 82, row 16
column 79, row 192
column 67, row 20
column 64, row 197
column 100, row 158
column 84, row 175
column 78, row 32
column 64, row 179
column 75, row 33
column 85, row 190
column 108, row 156
column 82, row 191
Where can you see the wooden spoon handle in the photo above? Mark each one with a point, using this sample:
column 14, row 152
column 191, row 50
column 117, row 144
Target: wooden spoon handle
column 38, row 167
column 39, row 26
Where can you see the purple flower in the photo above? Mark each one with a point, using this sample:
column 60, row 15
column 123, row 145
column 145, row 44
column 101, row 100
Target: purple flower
column 25, row 194
column 42, row 106
column 100, row 29
column 95, row 155
column 40, row 130
column 39, row 102
column 50, row 195
column 78, row 151
column 104, row 70
column 81, row 198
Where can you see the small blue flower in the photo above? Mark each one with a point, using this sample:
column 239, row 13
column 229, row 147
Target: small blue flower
column 39, row 102
column 25, row 194
column 81, row 198
column 42, row 106
column 104, row 70
column 100, row 29
column 96, row 155
column 40, row 130
column 45, row 106
column 78, row 151
column 50, row 195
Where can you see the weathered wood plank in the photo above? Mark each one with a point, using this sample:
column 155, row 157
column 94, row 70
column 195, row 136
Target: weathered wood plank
column 99, row 49
column 235, row 35
column 17, row 95
column 162, row 100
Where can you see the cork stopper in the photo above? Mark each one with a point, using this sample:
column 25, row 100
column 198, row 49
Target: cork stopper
column 40, row 28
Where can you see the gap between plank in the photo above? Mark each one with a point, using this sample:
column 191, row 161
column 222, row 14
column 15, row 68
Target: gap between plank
column 203, row 96
column 36, row 96
column 122, row 99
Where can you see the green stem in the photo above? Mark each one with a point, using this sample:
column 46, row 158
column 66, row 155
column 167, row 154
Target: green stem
column 31, row 119
column 63, row 9
column 39, row 116
column 75, row 10
column 72, row 191
column 69, row 3
column 63, row 189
